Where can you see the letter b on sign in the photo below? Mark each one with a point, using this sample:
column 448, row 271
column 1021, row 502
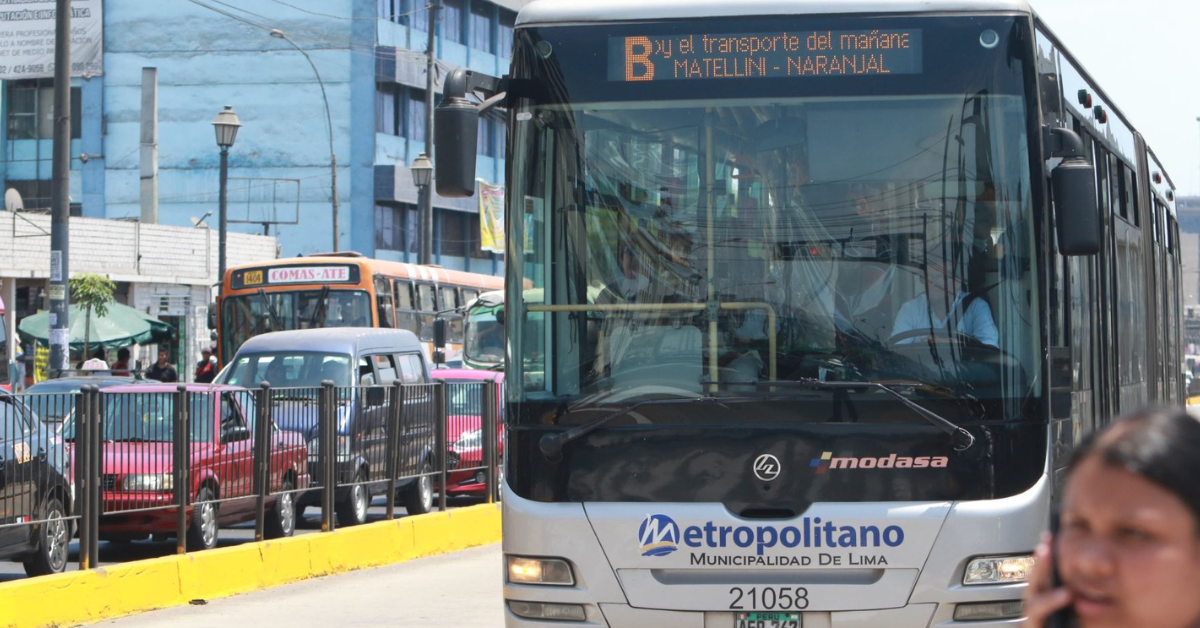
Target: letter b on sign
column 638, row 66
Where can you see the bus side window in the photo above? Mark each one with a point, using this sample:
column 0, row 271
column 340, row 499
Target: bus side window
column 383, row 301
column 404, row 303
column 468, row 295
column 448, row 298
column 449, row 301
column 427, row 303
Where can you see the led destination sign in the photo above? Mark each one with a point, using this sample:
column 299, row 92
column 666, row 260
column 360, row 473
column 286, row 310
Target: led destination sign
column 789, row 54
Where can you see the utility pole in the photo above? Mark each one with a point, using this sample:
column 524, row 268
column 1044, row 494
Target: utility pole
column 60, row 200
column 425, row 248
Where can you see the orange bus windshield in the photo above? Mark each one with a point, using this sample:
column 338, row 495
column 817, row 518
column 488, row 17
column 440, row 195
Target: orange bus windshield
column 246, row 315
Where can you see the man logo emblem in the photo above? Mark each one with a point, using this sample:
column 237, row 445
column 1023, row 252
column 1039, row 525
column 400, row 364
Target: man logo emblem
column 658, row 535
column 767, row 467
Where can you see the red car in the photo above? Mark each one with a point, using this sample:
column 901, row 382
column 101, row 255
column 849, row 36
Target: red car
column 464, row 433
column 138, row 459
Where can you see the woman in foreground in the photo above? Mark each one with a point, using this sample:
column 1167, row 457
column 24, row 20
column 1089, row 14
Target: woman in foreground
column 1127, row 551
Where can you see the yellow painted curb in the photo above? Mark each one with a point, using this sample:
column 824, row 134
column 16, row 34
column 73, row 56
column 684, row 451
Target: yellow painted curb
column 81, row 597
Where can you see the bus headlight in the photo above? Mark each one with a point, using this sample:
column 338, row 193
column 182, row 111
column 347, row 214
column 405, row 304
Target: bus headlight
column 553, row 571
column 998, row 570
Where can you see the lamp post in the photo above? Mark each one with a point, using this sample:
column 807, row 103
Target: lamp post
column 278, row 34
column 422, row 173
column 226, row 125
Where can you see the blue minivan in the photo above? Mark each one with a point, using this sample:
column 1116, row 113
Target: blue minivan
column 362, row 363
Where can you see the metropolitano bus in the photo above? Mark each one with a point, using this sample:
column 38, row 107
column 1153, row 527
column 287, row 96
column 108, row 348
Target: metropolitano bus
column 865, row 272
column 341, row 290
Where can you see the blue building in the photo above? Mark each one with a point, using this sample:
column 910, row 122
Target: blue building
column 208, row 54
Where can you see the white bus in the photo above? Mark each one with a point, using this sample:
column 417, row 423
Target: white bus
column 841, row 339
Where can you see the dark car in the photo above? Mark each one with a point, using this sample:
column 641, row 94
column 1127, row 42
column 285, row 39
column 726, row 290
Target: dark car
column 361, row 362
column 54, row 399
column 34, row 487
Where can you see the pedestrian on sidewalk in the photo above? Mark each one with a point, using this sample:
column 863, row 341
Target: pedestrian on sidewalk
column 206, row 369
column 121, row 366
column 162, row 369
column 1127, row 553
column 97, row 362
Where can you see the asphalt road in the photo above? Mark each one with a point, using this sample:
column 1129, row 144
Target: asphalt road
column 462, row 589
column 112, row 553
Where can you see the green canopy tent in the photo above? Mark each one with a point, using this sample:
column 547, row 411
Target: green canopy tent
column 121, row 327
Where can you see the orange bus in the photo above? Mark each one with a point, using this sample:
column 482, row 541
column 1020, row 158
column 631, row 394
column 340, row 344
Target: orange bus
column 341, row 290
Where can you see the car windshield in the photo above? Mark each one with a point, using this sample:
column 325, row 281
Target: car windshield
column 289, row 369
column 464, row 397
column 248, row 315
column 853, row 228
column 484, row 342
column 150, row 417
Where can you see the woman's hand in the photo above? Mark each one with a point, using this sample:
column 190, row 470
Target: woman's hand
column 1043, row 599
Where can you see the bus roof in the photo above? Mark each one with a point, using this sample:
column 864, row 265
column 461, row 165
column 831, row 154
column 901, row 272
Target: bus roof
column 568, row 11
column 414, row 272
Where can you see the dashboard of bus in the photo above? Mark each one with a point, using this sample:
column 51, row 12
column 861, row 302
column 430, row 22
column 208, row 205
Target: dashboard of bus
column 704, row 218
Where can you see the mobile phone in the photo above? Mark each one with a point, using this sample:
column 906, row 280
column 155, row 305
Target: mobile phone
column 1066, row 617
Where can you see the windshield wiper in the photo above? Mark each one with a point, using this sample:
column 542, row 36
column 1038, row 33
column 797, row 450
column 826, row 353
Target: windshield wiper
column 551, row 445
column 960, row 438
column 270, row 309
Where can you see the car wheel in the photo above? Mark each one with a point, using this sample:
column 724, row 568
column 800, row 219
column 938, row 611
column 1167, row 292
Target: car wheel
column 353, row 510
column 53, row 541
column 202, row 533
column 281, row 521
column 419, row 498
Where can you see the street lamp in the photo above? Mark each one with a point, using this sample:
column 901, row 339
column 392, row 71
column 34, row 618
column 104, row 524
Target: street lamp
column 278, row 34
column 422, row 173
column 226, row 125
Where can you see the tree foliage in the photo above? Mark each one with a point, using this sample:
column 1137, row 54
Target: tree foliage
column 92, row 291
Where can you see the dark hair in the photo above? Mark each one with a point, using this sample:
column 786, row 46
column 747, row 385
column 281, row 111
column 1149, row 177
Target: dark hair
column 1159, row 444
column 99, row 354
column 123, row 353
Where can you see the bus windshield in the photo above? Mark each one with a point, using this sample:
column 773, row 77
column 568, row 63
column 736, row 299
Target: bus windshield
column 739, row 228
column 248, row 315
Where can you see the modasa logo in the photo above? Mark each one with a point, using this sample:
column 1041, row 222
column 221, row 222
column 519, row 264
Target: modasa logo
column 659, row 535
column 828, row 461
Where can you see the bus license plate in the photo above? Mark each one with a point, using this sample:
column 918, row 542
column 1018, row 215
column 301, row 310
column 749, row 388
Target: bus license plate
column 767, row 620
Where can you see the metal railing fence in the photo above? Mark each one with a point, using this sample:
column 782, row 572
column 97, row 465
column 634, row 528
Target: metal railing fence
column 112, row 460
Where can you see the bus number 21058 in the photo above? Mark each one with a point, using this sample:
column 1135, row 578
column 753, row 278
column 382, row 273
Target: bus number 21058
column 769, row 598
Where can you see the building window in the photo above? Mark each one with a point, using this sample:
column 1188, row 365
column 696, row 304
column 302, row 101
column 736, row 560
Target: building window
column 35, row 194
column 486, row 145
column 481, row 25
column 31, row 110
column 452, row 21
column 385, row 9
column 453, row 233
column 473, row 233
column 414, row 116
column 388, row 109
column 418, row 14
column 508, row 21
column 395, row 227
column 502, row 136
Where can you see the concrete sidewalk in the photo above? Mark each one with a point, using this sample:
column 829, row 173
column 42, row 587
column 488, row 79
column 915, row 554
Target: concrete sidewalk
column 458, row 589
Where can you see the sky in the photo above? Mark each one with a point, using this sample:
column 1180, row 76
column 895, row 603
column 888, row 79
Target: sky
column 1145, row 55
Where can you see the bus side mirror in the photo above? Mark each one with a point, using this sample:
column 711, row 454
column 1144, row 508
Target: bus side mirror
column 212, row 315
column 500, row 317
column 439, row 333
column 1078, row 215
column 456, row 139
column 1073, row 182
